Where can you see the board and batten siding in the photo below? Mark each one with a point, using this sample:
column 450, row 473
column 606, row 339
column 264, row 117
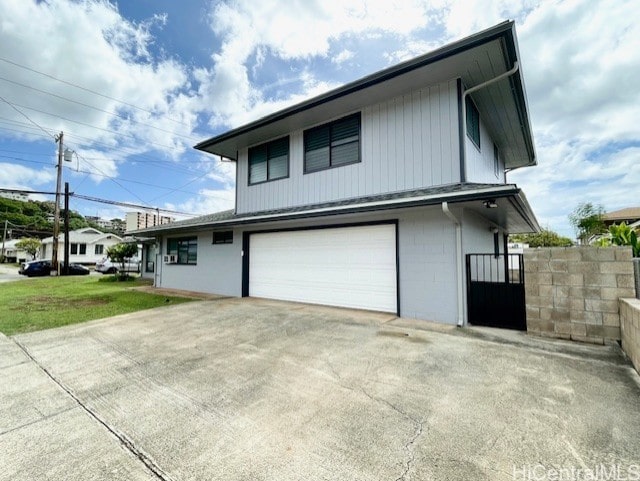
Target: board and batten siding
column 408, row 142
column 480, row 162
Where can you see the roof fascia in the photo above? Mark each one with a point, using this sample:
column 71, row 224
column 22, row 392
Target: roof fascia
column 502, row 30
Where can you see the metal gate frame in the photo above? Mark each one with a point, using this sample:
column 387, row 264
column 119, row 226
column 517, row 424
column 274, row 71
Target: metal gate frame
column 495, row 291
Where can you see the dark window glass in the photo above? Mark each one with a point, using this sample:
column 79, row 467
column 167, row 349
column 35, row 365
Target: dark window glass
column 99, row 249
column 473, row 122
column 496, row 160
column 74, row 248
column 224, row 237
column 83, row 249
column 331, row 145
column 269, row 161
column 185, row 250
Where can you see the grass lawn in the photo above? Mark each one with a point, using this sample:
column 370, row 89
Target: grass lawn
column 35, row 304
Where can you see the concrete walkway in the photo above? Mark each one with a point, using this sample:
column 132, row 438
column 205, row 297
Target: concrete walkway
column 243, row 389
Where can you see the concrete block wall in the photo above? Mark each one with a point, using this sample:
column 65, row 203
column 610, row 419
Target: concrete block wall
column 630, row 327
column 573, row 292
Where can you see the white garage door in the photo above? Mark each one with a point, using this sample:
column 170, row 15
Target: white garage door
column 347, row 267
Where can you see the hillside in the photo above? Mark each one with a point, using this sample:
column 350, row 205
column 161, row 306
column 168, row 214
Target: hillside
column 31, row 218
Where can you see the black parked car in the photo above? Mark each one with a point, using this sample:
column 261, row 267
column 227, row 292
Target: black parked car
column 35, row 268
column 43, row 268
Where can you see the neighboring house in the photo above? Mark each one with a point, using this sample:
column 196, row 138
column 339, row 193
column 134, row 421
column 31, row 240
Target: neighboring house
column 87, row 246
column 629, row 215
column 370, row 195
column 13, row 254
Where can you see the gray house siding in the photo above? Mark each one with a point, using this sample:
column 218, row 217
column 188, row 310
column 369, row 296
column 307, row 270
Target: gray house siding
column 218, row 269
column 426, row 247
column 408, row 142
column 480, row 161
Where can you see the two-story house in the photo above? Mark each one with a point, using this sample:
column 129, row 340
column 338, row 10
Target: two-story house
column 370, row 195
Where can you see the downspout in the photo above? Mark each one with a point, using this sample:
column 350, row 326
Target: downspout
column 508, row 73
column 459, row 254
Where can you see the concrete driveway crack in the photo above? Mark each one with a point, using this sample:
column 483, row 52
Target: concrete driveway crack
column 129, row 445
column 408, row 447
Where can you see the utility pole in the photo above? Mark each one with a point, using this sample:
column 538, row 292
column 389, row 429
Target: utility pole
column 4, row 236
column 56, row 214
column 65, row 269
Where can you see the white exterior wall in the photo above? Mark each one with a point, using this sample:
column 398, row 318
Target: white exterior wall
column 407, row 143
column 480, row 163
column 46, row 251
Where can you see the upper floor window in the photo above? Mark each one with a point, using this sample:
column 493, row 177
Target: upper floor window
column 185, row 249
column 496, row 161
column 333, row 144
column 473, row 122
column 269, row 161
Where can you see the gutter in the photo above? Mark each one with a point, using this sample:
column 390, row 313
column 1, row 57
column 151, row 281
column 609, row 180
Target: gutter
column 508, row 73
column 459, row 254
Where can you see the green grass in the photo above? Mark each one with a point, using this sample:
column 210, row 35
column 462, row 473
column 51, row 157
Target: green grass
column 35, row 304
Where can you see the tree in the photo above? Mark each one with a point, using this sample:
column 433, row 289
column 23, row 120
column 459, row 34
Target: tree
column 586, row 219
column 545, row 238
column 120, row 253
column 31, row 246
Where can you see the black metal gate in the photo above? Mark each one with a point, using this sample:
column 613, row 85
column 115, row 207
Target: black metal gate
column 495, row 291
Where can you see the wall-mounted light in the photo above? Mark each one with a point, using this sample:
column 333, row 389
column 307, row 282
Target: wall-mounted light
column 490, row 204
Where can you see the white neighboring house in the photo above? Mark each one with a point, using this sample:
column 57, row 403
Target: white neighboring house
column 13, row 254
column 87, row 246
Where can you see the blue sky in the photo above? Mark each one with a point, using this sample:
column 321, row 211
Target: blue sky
column 135, row 85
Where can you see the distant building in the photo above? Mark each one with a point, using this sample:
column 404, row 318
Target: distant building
column 116, row 225
column 142, row 220
column 630, row 216
column 86, row 246
column 15, row 196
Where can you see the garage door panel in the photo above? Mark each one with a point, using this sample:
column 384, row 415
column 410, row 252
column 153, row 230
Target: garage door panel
column 348, row 267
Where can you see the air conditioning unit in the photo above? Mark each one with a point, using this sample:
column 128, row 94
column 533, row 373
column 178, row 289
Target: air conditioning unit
column 170, row 259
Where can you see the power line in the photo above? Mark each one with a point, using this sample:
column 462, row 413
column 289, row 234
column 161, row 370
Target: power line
column 99, row 200
column 26, row 116
column 86, row 89
column 115, row 114
column 110, row 131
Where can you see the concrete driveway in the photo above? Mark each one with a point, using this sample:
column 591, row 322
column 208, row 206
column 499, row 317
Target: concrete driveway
column 244, row 389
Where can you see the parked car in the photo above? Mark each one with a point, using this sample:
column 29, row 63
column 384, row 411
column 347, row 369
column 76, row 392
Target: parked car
column 107, row 266
column 43, row 268
column 35, row 268
column 78, row 270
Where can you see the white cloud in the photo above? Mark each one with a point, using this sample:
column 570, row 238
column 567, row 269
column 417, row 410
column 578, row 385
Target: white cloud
column 14, row 176
column 343, row 56
column 207, row 201
column 90, row 44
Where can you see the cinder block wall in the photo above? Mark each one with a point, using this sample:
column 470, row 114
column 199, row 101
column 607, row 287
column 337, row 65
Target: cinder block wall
column 573, row 292
column 630, row 327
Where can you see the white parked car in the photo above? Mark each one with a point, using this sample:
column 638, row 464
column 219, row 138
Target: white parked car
column 107, row 266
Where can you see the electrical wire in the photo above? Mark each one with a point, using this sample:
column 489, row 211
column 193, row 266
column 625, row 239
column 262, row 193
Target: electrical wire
column 16, row 64
column 115, row 114
column 27, row 117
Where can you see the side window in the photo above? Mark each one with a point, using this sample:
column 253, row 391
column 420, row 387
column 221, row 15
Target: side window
column 223, row 237
column 74, row 248
column 269, row 161
column 83, row 249
column 185, row 250
column 473, row 122
column 99, row 249
column 496, row 161
column 333, row 144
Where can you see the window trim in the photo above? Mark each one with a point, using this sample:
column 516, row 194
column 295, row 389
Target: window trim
column 95, row 249
column 179, row 240
column 330, row 125
column 472, row 110
column 224, row 240
column 266, row 145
